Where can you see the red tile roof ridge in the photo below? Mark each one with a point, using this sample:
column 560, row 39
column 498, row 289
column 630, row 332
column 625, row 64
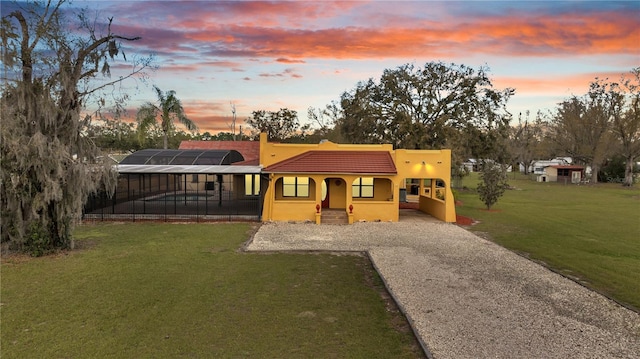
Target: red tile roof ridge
column 337, row 161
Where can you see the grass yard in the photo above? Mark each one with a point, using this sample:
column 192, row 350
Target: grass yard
column 176, row 290
column 591, row 233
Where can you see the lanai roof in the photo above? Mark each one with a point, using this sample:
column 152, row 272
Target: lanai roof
column 189, row 169
column 185, row 161
column 361, row 162
column 250, row 150
column 182, row 157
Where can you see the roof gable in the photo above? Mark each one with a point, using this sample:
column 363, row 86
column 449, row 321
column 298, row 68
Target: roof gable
column 363, row 162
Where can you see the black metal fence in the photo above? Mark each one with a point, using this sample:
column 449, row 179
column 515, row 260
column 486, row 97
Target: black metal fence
column 172, row 197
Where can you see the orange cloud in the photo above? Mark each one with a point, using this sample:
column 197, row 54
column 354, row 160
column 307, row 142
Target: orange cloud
column 593, row 33
column 289, row 32
column 548, row 35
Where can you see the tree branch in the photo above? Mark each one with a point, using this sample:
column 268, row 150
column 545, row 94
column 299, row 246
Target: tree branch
column 25, row 52
column 85, row 52
column 42, row 25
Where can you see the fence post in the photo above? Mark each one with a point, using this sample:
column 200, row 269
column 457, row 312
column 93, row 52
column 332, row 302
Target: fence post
column 134, row 206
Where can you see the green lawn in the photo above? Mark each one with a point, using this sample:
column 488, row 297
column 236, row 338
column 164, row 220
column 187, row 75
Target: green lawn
column 591, row 233
column 175, row 290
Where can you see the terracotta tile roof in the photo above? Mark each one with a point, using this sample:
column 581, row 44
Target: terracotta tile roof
column 250, row 150
column 370, row 162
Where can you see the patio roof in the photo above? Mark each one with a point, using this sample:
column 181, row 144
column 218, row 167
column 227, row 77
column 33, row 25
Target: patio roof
column 250, row 150
column 182, row 157
column 188, row 169
column 361, row 162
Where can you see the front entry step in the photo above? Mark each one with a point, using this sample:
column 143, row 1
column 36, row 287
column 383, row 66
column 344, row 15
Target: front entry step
column 334, row 216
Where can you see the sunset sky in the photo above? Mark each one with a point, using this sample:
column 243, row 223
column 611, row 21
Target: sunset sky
column 296, row 54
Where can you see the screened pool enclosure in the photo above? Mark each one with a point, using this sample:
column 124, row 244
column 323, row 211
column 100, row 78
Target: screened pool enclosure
column 182, row 185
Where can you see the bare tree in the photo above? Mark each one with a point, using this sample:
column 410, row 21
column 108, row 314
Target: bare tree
column 49, row 165
column 626, row 121
column 582, row 126
column 325, row 122
column 525, row 140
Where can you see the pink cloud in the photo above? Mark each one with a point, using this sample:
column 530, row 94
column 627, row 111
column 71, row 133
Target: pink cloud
column 289, row 61
column 611, row 33
column 287, row 32
column 285, row 73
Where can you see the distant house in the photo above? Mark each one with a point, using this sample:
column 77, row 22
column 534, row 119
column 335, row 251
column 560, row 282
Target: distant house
column 538, row 167
column 563, row 173
column 475, row 165
column 470, row 165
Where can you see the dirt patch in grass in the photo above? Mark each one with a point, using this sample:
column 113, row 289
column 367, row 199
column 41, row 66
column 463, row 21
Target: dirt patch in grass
column 12, row 256
column 85, row 244
column 464, row 221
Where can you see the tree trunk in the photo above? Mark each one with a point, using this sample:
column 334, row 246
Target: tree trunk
column 628, row 172
column 594, row 172
column 165, row 140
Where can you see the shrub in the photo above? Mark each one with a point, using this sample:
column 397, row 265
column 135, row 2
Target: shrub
column 493, row 184
column 38, row 241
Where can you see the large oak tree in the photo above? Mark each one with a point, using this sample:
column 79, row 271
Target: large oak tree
column 49, row 165
column 435, row 106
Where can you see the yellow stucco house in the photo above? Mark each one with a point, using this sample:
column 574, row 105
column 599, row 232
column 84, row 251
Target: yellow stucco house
column 265, row 181
column 303, row 182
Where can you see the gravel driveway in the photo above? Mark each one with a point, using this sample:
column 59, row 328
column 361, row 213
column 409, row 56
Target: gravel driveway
column 467, row 297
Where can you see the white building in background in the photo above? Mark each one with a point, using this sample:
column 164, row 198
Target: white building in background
column 474, row 165
column 538, row 167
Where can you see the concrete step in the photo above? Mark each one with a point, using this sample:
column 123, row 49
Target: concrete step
column 334, row 216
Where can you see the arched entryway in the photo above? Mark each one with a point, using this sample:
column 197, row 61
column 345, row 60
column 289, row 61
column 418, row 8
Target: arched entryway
column 334, row 193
